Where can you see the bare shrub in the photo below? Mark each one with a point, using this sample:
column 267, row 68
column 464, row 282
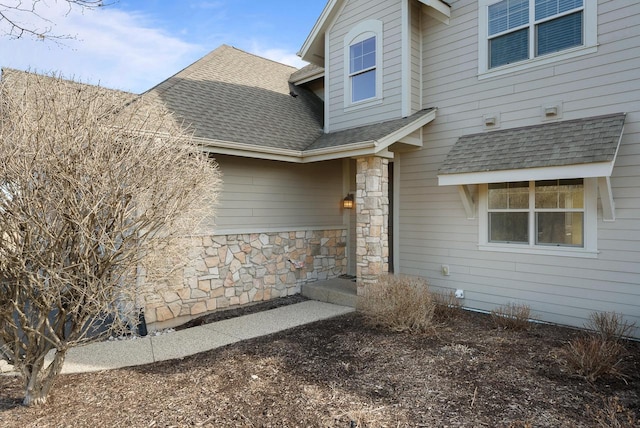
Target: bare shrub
column 612, row 414
column 512, row 316
column 601, row 351
column 399, row 303
column 447, row 306
column 592, row 357
column 609, row 326
column 96, row 187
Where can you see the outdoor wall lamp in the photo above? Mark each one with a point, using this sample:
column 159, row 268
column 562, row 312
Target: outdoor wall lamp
column 347, row 202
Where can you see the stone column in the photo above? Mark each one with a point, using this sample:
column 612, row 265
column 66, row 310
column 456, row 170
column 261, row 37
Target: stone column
column 372, row 210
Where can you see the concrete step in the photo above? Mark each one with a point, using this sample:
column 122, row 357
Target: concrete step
column 338, row 291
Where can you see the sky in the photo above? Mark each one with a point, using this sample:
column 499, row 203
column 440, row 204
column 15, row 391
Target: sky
column 133, row 45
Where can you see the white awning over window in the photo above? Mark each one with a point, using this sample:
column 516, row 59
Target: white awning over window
column 581, row 148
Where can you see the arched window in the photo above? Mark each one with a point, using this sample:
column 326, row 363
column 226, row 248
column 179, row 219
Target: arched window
column 363, row 63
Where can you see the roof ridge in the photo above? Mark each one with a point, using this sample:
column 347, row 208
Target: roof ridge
column 260, row 57
column 164, row 85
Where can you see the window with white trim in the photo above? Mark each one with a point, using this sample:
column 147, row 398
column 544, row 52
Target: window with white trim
column 545, row 215
column 363, row 57
column 520, row 31
column 362, row 69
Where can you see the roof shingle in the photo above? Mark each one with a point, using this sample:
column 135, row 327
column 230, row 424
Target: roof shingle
column 230, row 95
column 571, row 142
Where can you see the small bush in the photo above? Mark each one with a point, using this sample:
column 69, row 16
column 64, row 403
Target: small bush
column 601, row 352
column 609, row 326
column 399, row 303
column 512, row 316
column 592, row 357
column 447, row 306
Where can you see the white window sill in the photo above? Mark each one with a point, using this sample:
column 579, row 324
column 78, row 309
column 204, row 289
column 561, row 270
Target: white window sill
column 541, row 250
column 535, row 62
column 363, row 104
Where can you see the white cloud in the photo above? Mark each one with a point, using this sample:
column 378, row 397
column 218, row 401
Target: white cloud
column 114, row 48
column 279, row 55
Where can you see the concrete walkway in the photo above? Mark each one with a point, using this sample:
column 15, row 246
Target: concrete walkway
column 144, row 350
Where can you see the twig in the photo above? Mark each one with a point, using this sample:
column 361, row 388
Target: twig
column 473, row 400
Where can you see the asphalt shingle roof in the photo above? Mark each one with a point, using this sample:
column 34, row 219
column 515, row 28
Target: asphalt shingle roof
column 305, row 72
column 571, row 142
column 373, row 132
column 231, row 95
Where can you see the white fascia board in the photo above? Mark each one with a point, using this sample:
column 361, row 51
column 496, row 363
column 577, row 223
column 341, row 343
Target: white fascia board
column 367, row 148
column 344, row 152
column 408, row 129
column 591, row 170
column 308, row 51
column 438, row 9
column 309, row 78
column 250, row 151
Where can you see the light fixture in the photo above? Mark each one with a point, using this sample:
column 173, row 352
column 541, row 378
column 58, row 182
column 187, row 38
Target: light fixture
column 347, row 202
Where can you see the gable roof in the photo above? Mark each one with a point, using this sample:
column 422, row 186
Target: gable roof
column 313, row 48
column 592, row 142
column 240, row 104
column 235, row 97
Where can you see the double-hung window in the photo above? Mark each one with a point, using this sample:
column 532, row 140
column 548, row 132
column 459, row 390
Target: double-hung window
column 362, row 69
column 363, row 64
column 547, row 213
column 515, row 31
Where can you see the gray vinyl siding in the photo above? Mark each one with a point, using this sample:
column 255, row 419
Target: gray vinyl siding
column 434, row 229
column 416, row 57
column 259, row 195
column 354, row 12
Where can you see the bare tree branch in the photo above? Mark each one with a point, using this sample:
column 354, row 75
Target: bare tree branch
column 17, row 16
column 96, row 186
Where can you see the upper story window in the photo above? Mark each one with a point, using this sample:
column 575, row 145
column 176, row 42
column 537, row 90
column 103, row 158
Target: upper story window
column 362, row 70
column 363, row 58
column 521, row 32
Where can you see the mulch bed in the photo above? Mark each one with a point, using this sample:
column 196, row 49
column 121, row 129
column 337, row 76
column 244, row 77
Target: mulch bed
column 344, row 373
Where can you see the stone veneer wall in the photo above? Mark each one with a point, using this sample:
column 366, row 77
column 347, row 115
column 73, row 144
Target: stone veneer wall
column 232, row 270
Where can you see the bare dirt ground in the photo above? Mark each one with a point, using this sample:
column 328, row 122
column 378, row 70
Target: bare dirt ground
column 344, row 373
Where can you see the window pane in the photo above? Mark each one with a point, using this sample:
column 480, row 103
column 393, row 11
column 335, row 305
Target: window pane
column 564, row 229
column 362, row 55
column 552, row 194
column 509, row 227
column 369, row 60
column 508, row 14
column 369, row 46
column 509, row 48
column 509, row 195
column 363, row 86
column 559, row 34
column 547, row 8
